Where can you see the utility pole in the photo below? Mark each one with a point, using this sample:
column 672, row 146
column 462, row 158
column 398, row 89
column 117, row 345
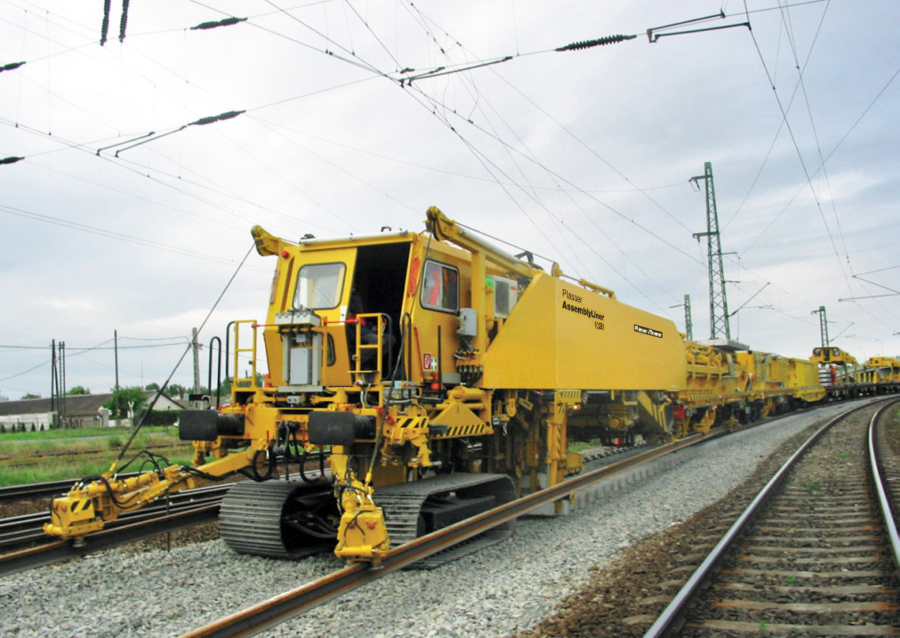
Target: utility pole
column 52, row 382
column 116, row 349
column 718, row 303
column 62, row 378
column 823, row 325
column 196, row 348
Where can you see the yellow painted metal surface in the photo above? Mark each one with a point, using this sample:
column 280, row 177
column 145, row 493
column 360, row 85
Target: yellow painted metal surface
column 561, row 335
column 569, row 360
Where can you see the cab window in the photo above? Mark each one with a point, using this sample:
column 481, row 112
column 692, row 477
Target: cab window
column 319, row 286
column 440, row 287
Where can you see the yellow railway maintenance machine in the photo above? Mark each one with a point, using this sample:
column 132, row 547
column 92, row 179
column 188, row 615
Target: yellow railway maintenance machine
column 434, row 374
column 836, row 367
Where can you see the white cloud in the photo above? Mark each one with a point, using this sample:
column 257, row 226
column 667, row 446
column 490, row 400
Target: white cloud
column 169, row 220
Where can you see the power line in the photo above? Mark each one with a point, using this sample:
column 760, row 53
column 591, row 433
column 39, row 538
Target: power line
column 114, row 235
column 40, row 365
column 824, row 161
column 799, row 154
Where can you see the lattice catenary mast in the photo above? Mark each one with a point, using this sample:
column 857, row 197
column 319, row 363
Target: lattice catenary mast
column 823, row 325
column 718, row 303
column 688, row 323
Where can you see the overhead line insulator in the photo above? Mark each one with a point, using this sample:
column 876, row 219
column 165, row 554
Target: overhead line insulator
column 11, row 160
column 216, row 118
column 104, row 31
column 123, row 21
column 10, row 66
column 226, row 22
column 587, row 44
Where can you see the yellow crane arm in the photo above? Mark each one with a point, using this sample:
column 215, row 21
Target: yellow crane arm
column 93, row 503
column 445, row 229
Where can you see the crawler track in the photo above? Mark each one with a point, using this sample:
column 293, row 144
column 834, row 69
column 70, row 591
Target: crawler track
column 812, row 555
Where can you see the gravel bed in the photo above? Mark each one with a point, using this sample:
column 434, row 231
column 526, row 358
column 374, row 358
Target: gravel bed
column 501, row 590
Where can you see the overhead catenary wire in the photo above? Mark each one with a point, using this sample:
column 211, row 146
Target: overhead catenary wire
column 580, row 45
column 211, row 119
column 574, row 46
column 532, row 187
column 799, row 153
column 565, row 227
column 508, row 147
column 183, row 355
column 824, row 160
column 782, row 122
column 152, row 136
column 112, row 234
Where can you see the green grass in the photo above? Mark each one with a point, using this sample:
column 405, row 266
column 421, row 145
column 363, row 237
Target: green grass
column 111, row 441
column 76, row 469
column 96, row 453
column 577, row 446
column 811, row 486
column 77, row 433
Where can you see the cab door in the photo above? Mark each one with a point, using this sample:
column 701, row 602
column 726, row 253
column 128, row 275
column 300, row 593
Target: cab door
column 323, row 284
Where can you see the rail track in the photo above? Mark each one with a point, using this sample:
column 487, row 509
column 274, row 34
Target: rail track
column 182, row 510
column 56, row 579
column 42, row 490
column 293, row 603
column 815, row 553
column 290, row 604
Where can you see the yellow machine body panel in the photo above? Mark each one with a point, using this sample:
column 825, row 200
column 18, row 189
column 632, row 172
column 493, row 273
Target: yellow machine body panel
column 711, row 375
column 332, row 309
column 426, row 358
column 561, row 335
column 832, row 355
column 842, row 367
column 402, row 357
column 883, row 369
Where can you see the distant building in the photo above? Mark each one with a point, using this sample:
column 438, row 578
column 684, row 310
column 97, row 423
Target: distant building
column 81, row 411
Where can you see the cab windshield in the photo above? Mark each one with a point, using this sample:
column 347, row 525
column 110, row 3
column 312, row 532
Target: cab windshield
column 319, row 286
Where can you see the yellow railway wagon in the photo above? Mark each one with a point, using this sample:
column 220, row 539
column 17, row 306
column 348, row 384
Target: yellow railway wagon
column 883, row 369
column 428, row 368
column 433, row 376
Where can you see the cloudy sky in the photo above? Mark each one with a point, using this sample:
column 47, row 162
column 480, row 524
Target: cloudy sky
column 581, row 156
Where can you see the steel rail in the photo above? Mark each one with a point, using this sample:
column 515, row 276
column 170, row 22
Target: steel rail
column 287, row 605
column 57, row 488
column 878, row 479
column 667, row 620
column 57, row 551
column 41, row 490
column 21, row 530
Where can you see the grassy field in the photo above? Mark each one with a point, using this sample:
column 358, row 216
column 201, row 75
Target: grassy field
column 81, row 433
column 58, row 471
column 37, row 457
column 32, row 447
